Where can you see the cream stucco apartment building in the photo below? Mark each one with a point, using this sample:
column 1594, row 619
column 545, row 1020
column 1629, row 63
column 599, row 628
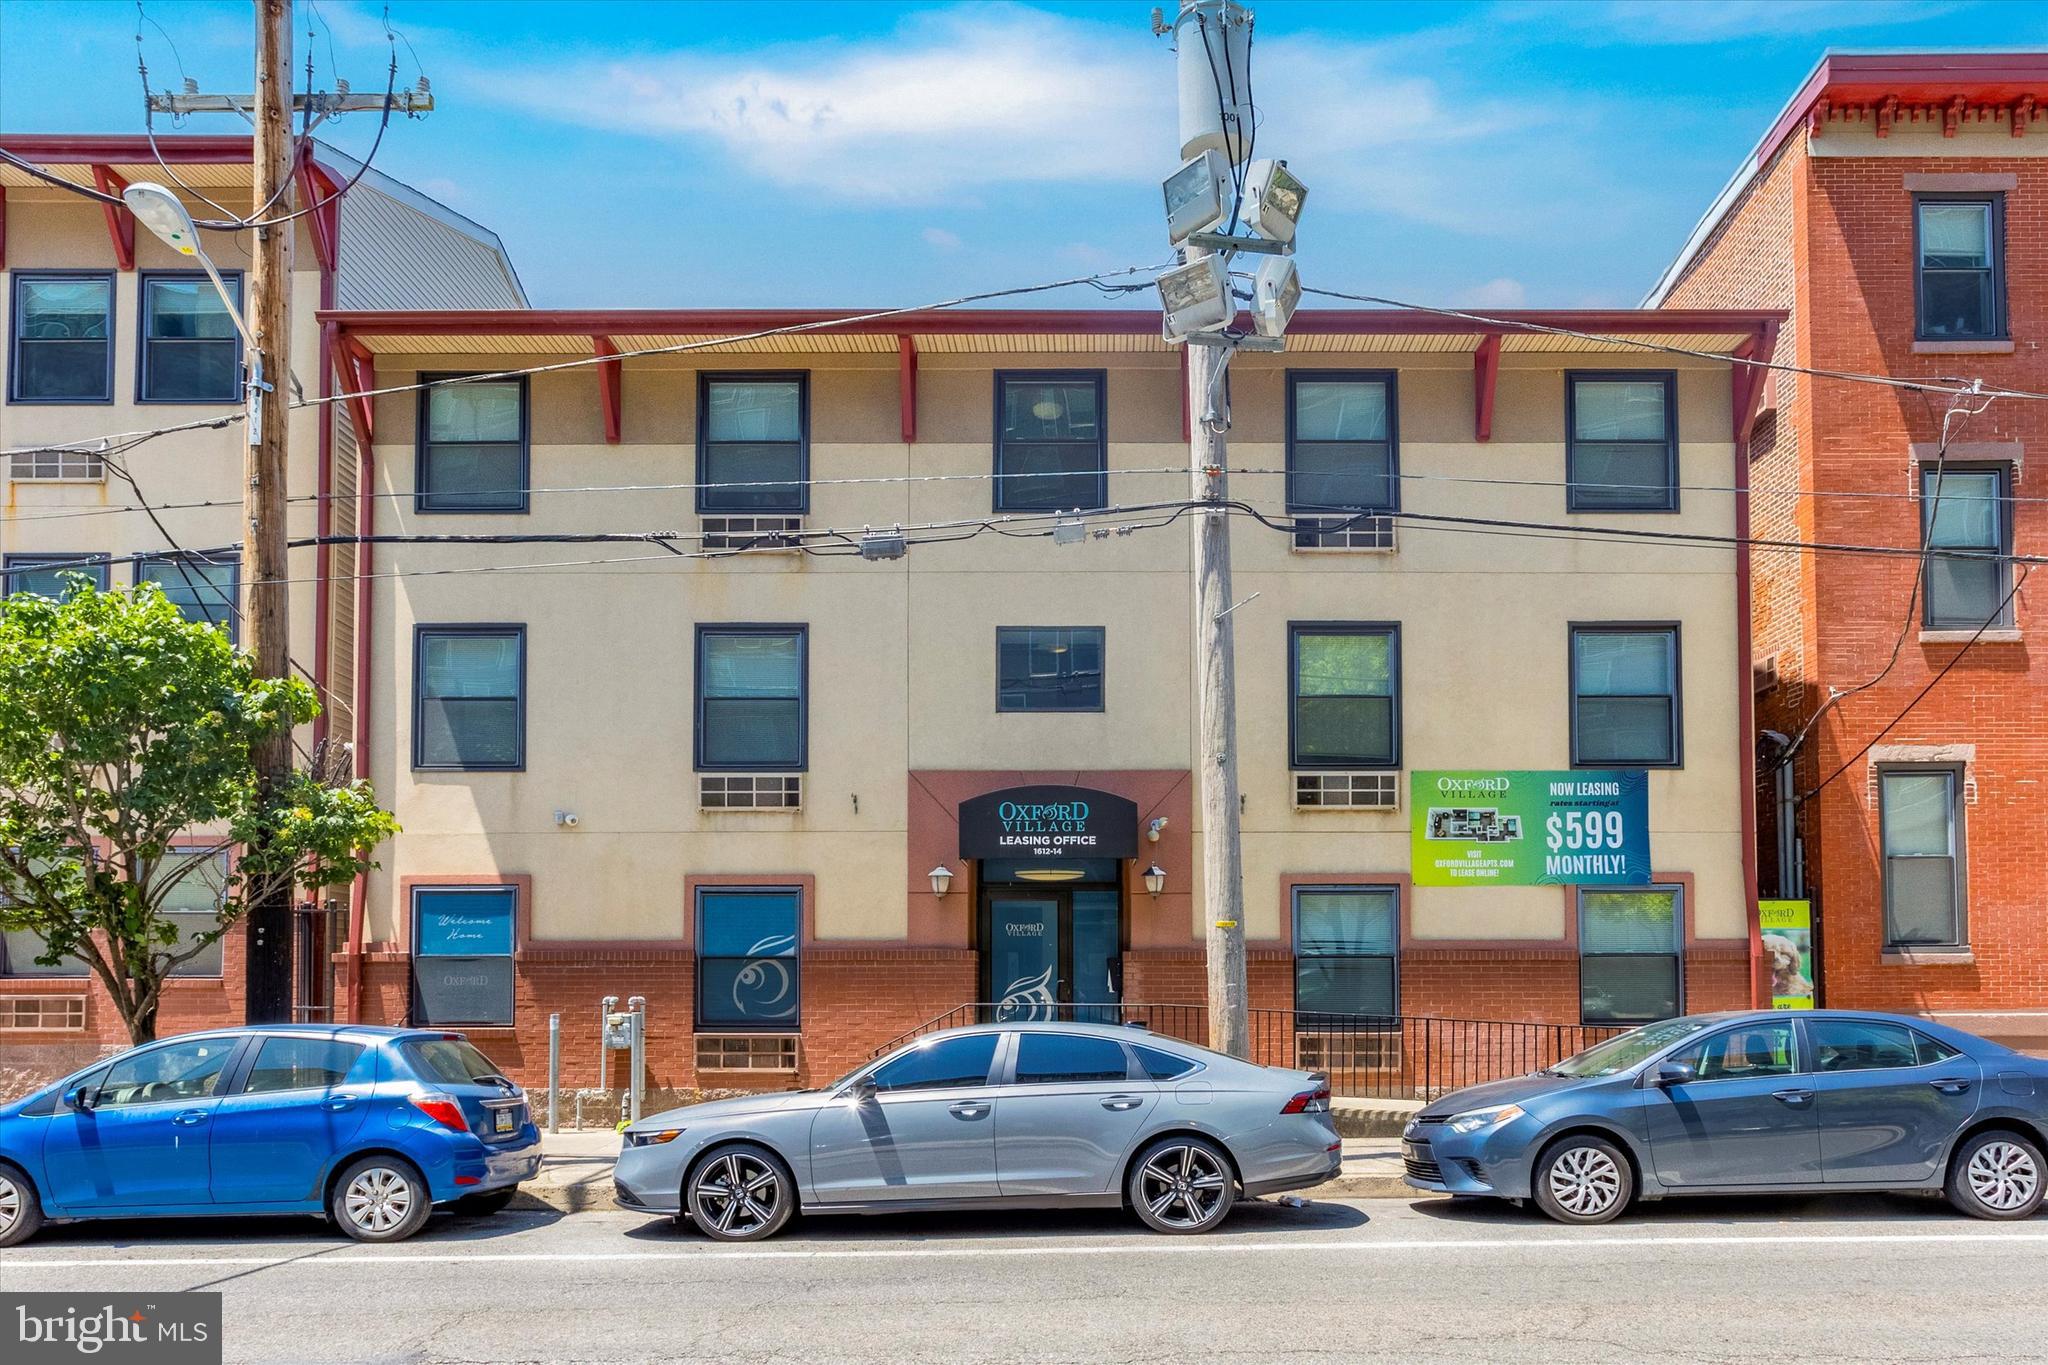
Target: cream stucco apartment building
column 109, row 331
column 802, row 798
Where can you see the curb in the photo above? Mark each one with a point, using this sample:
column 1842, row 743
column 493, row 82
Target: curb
column 595, row 1196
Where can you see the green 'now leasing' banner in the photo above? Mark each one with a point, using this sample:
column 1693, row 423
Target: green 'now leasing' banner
column 1582, row 827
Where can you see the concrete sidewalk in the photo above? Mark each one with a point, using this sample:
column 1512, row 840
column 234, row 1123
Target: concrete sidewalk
column 576, row 1167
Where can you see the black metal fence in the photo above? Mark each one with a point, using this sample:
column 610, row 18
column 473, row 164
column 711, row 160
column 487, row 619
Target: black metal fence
column 1365, row 1056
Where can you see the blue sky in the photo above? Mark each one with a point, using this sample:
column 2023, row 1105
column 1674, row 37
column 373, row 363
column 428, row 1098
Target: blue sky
column 812, row 154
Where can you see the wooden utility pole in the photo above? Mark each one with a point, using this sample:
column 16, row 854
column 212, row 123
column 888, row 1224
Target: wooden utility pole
column 1216, row 681
column 267, row 620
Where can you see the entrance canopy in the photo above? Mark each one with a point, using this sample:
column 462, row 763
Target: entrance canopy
column 1049, row 822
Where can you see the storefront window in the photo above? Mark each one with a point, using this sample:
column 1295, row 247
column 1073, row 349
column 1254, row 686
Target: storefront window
column 463, row 939
column 748, row 967
column 1346, row 951
column 1629, row 964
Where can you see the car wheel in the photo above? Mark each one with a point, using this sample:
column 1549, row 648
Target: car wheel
column 1182, row 1184
column 740, row 1194
column 1583, row 1180
column 1997, row 1175
column 21, row 1212
column 381, row 1199
column 484, row 1205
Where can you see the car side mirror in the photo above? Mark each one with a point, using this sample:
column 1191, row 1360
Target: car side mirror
column 1676, row 1073
column 84, row 1098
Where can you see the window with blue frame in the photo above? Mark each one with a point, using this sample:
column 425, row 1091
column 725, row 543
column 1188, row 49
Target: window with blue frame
column 751, row 704
column 46, row 574
column 191, row 351
column 1052, row 450
column 472, row 448
column 1346, row 953
column 1049, row 668
column 469, row 698
column 203, row 586
column 748, row 968
column 753, row 442
column 1631, row 964
column 1340, row 441
column 462, row 943
column 63, row 338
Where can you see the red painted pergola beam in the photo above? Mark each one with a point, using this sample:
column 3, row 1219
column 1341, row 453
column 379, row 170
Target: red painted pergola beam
column 73, row 149
column 1485, row 372
column 120, row 222
column 609, row 387
column 323, row 224
column 1012, row 322
column 1746, row 385
column 906, row 385
column 358, row 374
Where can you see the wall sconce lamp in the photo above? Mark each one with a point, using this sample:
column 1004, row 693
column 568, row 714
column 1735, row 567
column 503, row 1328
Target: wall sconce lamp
column 1155, row 879
column 942, row 879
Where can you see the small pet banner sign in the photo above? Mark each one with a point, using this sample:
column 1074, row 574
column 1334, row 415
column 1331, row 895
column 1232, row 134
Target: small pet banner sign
column 1787, row 928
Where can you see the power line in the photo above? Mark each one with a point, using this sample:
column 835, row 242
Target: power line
column 2018, row 581
column 1973, row 389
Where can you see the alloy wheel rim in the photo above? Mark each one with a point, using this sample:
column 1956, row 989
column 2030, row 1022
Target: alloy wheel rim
column 10, row 1203
column 378, row 1200
column 1186, row 1177
column 1585, row 1181
column 2003, row 1175
column 736, row 1194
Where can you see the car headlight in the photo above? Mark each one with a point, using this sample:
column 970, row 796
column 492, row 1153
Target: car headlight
column 653, row 1138
column 1479, row 1119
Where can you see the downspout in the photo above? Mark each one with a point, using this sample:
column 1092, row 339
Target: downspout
column 366, row 526
column 1762, row 345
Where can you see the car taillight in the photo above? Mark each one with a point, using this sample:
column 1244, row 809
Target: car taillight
column 1308, row 1102
column 442, row 1109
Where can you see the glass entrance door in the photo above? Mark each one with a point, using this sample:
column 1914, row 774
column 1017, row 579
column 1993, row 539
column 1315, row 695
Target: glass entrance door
column 1045, row 950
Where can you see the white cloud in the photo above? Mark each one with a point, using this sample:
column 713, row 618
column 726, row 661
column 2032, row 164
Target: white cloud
column 995, row 94
column 1500, row 293
column 942, row 239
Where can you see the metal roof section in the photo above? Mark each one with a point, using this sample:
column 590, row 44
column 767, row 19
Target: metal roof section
column 399, row 248
column 2009, row 87
column 404, row 249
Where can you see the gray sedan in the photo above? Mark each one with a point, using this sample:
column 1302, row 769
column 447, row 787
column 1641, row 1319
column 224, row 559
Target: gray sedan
column 998, row 1116
column 1820, row 1101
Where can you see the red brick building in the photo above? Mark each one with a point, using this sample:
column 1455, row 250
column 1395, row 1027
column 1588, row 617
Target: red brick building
column 1898, row 211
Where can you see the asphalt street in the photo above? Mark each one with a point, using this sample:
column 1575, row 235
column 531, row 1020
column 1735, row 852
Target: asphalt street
column 1852, row 1278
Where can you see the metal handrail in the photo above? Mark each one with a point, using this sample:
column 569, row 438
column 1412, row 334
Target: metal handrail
column 1365, row 1056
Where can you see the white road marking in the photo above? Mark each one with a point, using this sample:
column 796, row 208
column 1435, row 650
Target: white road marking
column 296, row 1258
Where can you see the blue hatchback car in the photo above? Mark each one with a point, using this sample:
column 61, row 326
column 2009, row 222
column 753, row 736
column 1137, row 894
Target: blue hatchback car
column 371, row 1127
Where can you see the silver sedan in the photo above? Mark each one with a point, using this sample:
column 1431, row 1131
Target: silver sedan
column 1011, row 1115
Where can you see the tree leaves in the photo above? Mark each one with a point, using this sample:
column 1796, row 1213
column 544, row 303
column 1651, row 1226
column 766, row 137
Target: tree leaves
column 127, row 742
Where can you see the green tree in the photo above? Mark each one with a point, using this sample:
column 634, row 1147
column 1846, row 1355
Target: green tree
column 126, row 734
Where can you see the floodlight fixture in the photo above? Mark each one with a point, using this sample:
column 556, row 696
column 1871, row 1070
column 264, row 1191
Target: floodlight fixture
column 1196, row 298
column 1273, row 200
column 1276, row 293
column 1198, row 195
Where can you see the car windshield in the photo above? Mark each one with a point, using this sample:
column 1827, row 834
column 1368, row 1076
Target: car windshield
column 451, row 1061
column 1625, row 1050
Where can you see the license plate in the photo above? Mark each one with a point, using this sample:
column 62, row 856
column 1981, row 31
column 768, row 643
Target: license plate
column 504, row 1120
